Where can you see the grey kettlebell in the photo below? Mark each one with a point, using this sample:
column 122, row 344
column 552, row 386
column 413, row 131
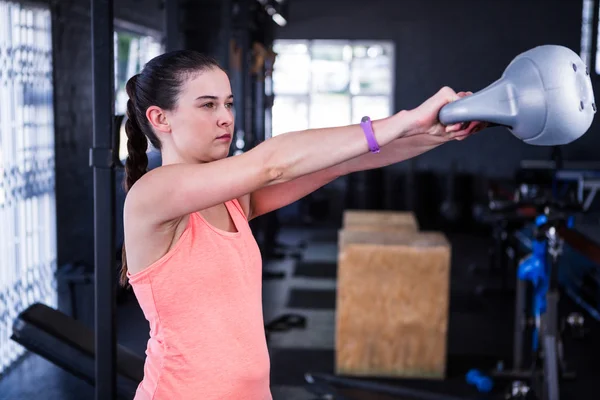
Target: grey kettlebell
column 544, row 97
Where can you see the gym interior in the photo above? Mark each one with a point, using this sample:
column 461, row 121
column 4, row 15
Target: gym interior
column 456, row 274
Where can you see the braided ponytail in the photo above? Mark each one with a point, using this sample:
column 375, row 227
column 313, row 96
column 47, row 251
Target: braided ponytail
column 136, row 164
column 137, row 143
column 159, row 84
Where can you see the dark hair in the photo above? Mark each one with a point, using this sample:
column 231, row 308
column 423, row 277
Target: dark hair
column 159, row 84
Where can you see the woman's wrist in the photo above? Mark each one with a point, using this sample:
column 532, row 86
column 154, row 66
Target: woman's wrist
column 402, row 124
column 405, row 124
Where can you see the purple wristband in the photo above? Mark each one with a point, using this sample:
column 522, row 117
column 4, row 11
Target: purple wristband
column 367, row 127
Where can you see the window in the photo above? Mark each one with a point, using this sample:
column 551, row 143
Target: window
column 322, row 83
column 27, row 196
column 132, row 52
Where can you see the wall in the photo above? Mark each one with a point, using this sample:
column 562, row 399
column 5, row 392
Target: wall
column 73, row 104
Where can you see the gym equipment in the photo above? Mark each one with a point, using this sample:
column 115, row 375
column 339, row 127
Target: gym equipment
column 70, row 345
column 285, row 323
column 544, row 97
column 578, row 183
column 103, row 168
column 519, row 391
column 581, row 280
column 541, row 270
column 540, row 316
column 326, row 385
column 479, row 380
column 507, row 210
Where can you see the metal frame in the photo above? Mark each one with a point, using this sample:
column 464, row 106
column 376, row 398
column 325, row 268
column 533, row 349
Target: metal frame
column 520, row 324
column 545, row 379
column 327, row 386
column 102, row 29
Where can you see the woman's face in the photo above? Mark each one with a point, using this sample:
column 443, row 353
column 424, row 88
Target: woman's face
column 202, row 123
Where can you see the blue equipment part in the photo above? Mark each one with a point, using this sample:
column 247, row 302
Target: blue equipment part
column 483, row 383
column 535, row 269
column 541, row 220
column 532, row 268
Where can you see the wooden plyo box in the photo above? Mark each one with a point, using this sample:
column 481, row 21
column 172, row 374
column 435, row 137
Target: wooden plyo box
column 392, row 304
column 371, row 220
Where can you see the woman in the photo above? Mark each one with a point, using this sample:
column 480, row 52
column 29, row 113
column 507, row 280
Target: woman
column 191, row 258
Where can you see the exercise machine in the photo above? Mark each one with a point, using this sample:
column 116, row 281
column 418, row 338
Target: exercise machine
column 506, row 212
column 540, row 317
column 336, row 388
column 557, row 259
column 70, row 344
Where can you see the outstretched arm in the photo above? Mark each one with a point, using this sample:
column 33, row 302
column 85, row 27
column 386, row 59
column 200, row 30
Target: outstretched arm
column 271, row 198
column 175, row 190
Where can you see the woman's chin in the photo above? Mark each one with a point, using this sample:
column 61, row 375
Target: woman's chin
column 221, row 153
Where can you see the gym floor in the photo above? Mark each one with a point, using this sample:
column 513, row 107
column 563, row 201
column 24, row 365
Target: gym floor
column 480, row 329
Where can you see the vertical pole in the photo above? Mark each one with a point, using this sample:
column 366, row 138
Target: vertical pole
column 226, row 28
column 242, row 84
column 269, row 40
column 250, row 82
column 595, row 34
column 246, row 83
column 519, row 323
column 104, row 213
column 172, row 26
column 259, row 107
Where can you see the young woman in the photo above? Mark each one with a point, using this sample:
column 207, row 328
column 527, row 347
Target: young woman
column 190, row 258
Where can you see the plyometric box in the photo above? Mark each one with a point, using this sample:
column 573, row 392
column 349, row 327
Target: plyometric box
column 392, row 304
column 368, row 220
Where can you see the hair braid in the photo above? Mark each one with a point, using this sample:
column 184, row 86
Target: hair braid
column 136, row 164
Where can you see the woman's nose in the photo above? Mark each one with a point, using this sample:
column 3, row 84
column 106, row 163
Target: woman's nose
column 226, row 117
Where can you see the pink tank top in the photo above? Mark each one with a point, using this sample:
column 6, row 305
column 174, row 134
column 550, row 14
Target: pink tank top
column 203, row 300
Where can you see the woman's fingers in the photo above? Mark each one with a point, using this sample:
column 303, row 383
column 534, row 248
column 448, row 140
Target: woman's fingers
column 471, row 129
column 453, row 128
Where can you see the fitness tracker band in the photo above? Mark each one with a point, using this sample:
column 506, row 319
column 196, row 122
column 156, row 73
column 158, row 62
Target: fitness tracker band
column 367, row 127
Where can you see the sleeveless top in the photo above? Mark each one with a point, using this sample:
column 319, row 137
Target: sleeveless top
column 203, row 301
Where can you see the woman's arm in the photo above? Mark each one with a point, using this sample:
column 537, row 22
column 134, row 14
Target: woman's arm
column 169, row 192
column 273, row 197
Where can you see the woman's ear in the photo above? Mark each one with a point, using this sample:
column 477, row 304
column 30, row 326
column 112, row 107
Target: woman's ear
column 158, row 119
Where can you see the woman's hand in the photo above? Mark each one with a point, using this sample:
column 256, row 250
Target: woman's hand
column 426, row 117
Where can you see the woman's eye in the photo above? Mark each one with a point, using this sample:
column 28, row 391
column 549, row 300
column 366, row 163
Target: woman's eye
column 229, row 105
column 209, row 105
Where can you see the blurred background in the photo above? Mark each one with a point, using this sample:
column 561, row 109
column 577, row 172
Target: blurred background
column 454, row 230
